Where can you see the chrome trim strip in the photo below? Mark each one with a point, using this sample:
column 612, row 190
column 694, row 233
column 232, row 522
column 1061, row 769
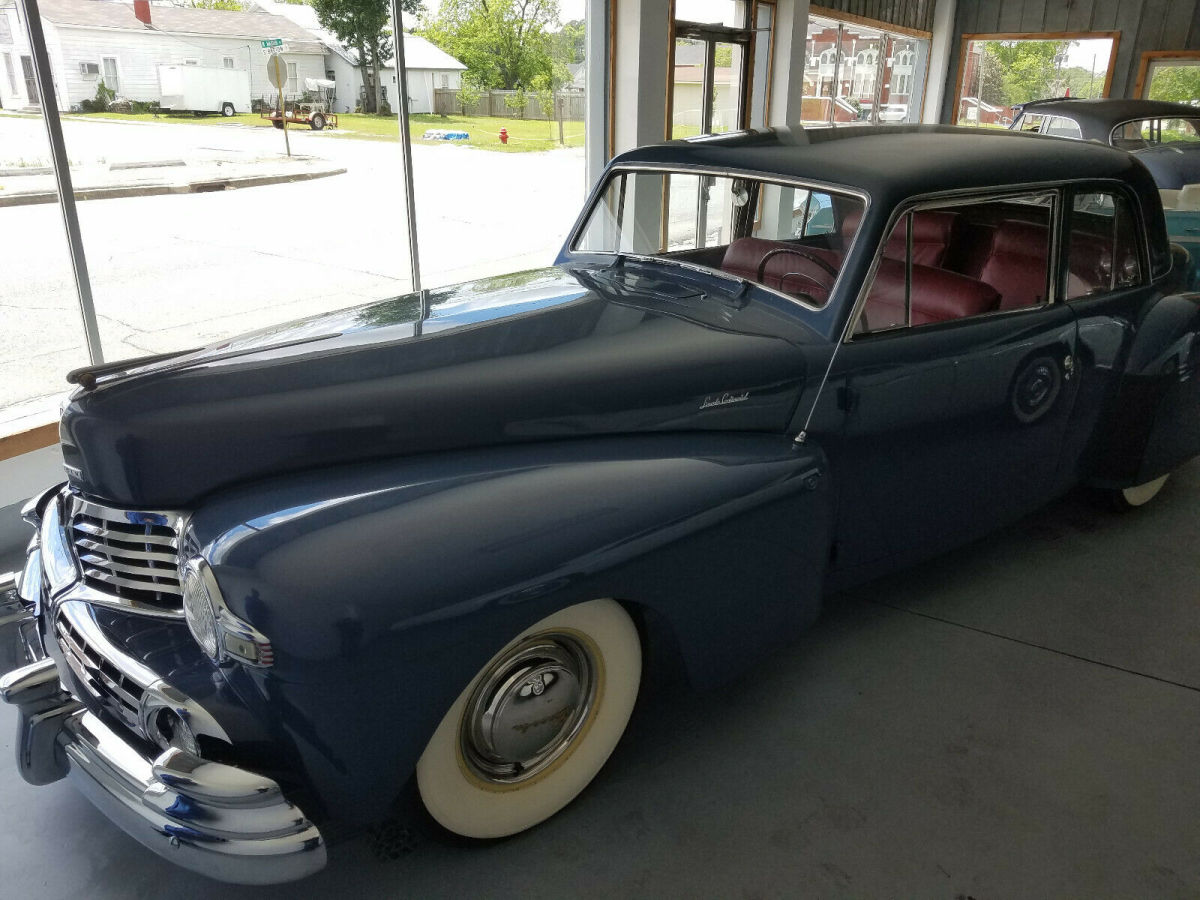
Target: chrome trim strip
column 108, row 534
column 152, row 586
column 101, row 546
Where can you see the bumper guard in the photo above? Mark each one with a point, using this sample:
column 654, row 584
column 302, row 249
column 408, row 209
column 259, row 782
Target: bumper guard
column 215, row 819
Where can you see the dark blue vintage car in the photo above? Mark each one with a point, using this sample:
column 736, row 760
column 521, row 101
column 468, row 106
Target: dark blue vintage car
column 420, row 548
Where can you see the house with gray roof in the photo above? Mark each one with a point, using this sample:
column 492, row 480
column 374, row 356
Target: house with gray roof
column 125, row 43
column 429, row 68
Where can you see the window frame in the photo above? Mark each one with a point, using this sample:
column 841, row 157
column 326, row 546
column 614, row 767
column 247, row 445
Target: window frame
column 810, row 185
column 962, row 198
column 1149, row 57
column 1158, row 120
column 228, row 62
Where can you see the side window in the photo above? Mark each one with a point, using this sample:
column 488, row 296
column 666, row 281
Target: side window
column 1102, row 248
column 1028, row 122
column 940, row 264
column 1061, row 127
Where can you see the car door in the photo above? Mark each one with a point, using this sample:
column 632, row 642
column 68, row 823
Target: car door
column 945, row 410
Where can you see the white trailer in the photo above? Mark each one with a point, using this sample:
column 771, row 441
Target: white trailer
column 204, row 89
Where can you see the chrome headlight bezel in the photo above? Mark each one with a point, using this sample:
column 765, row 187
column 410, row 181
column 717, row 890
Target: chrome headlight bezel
column 222, row 636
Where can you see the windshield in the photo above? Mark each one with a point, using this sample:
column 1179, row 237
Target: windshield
column 786, row 237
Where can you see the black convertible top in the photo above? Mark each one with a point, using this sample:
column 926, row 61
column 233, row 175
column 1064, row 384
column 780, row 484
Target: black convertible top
column 1097, row 118
column 891, row 163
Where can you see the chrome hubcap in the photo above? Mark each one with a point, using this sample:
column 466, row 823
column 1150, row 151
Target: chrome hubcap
column 528, row 708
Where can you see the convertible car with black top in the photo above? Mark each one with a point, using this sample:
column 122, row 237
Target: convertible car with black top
column 424, row 550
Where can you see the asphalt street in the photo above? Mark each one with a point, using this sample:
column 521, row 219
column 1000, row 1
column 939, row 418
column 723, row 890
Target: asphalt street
column 170, row 272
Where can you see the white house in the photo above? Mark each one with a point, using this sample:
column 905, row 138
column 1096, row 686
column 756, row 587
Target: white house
column 428, row 66
column 125, row 43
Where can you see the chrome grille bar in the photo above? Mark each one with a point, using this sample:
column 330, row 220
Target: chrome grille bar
column 115, row 690
column 129, row 555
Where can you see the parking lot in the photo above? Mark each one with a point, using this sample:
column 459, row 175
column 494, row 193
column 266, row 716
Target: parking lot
column 171, row 272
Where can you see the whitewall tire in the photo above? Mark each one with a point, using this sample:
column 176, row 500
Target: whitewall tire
column 1140, row 494
column 535, row 725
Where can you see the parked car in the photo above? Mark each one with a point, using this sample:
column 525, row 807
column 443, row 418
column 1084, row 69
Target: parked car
column 422, row 547
column 1164, row 136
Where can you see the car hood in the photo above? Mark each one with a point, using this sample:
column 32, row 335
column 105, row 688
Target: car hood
column 557, row 353
column 549, row 354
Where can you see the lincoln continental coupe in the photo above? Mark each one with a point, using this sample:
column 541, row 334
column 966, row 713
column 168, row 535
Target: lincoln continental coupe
column 423, row 550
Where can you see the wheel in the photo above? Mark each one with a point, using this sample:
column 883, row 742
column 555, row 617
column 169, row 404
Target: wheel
column 227, row 109
column 1139, row 494
column 278, row 123
column 318, row 122
column 535, row 725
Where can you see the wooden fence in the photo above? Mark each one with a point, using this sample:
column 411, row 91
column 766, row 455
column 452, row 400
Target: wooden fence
column 567, row 105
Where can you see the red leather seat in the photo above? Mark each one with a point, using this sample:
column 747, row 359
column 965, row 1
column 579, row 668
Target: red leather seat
column 937, row 296
column 933, row 233
column 792, row 269
column 1016, row 265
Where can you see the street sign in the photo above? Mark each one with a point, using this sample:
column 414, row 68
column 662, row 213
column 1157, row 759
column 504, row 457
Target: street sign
column 277, row 71
column 272, row 42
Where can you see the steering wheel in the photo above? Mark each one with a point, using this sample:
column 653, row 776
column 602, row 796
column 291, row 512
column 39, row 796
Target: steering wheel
column 803, row 254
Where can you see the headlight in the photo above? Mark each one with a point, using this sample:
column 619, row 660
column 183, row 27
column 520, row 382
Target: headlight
column 218, row 631
column 199, row 609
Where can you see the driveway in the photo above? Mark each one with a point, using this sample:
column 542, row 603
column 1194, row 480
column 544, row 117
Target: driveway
column 171, row 272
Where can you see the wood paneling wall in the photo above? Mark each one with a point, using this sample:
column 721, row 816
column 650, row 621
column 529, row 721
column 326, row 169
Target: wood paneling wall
column 1144, row 25
column 907, row 13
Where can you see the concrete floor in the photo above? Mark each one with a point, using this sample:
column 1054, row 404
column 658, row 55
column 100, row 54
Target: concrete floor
column 1018, row 719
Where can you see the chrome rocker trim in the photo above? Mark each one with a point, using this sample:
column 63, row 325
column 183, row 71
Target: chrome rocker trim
column 218, row 820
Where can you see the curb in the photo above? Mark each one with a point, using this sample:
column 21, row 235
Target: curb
column 150, row 190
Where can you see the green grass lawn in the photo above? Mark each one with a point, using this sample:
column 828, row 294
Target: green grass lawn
column 524, row 135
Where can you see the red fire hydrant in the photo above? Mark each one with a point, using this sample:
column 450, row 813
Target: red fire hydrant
column 504, row 135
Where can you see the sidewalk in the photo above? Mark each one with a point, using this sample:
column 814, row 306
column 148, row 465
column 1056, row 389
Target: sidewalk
column 99, row 180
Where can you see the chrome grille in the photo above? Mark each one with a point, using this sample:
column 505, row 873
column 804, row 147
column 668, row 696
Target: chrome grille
column 115, row 690
column 132, row 555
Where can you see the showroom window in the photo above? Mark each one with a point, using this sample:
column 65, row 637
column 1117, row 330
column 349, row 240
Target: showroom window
column 721, row 55
column 999, row 72
column 855, row 74
column 235, row 226
column 1172, row 75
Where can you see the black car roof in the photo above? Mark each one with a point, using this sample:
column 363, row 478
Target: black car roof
column 1099, row 117
column 893, row 162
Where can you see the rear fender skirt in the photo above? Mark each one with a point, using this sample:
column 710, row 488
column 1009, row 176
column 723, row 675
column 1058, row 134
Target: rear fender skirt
column 1155, row 426
column 384, row 588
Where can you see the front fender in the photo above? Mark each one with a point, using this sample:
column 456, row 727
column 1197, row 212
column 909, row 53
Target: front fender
column 385, row 587
column 1155, row 424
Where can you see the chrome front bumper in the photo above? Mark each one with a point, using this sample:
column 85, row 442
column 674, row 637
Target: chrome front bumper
column 218, row 820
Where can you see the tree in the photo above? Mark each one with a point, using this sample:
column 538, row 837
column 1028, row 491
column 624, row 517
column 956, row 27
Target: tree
column 1028, row 69
column 363, row 25
column 1178, row 83
column 229, row 5
column 570, row 42
column 503, row 43
column 468, row 93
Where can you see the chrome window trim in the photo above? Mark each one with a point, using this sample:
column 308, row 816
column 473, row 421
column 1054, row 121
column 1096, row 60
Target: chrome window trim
column 1112, row 131
column 1133, row 200
column 967, row 197
column 686, row 169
